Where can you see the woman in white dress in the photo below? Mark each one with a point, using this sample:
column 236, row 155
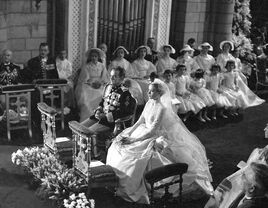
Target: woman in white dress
column 250, row 99
column 158, row 138
column 119, row 60
column 226, row 47
column 204, row 60
column 142, row 69
column 187, row 60
column 91, row 80
column 165, row 61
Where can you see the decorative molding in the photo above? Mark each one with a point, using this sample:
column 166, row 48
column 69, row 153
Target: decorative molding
column 156, row 17
column 92, row 23
column 75, row 33
column 162, row 26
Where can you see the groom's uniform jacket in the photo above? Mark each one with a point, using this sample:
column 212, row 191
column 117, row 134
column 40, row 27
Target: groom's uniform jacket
column 116, row 103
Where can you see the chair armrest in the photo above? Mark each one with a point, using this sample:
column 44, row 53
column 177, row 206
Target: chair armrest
column 43, row 107
column 123, row 119
column 166, row 171
column 78, row 128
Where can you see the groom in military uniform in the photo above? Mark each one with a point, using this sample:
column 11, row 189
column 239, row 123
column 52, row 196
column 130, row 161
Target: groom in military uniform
column 115, row 104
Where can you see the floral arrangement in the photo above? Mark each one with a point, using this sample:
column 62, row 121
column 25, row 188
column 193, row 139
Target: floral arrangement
column 79, row 200
column 56, row 181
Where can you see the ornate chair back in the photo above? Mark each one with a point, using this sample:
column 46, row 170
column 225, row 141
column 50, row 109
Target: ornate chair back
column 61, row 145
column 158, row 174
column 52, row 93
column 48, row 126
column 17, row 99
column 96, row 173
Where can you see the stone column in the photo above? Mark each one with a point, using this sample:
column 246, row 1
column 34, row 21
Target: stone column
column 221, row 22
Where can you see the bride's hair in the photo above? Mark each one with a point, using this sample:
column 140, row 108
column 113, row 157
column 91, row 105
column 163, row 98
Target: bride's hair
column 158, row 88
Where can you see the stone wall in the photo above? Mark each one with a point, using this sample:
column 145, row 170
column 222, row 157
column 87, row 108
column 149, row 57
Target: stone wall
column 22, row 28
column 204, row 20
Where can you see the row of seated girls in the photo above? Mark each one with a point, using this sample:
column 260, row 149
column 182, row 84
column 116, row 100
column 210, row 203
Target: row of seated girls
column 200, row 85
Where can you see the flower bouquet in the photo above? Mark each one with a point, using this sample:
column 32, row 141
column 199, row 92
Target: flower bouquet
column 78, row 201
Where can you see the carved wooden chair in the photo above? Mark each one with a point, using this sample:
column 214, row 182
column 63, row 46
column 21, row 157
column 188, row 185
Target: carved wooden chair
column 124, row 122
column 158, row 174
column 96, row 173
column 18, row 105
column 57, row 145
column 52, row 93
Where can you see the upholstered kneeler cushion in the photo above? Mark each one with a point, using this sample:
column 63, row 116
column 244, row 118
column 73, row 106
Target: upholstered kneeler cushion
column 64, row 143
column 102, row 174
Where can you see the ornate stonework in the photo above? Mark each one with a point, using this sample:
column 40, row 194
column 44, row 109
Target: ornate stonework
column 92, row 23
column 74, row 43
column 156, row 17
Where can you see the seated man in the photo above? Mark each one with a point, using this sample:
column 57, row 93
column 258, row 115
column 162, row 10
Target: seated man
column 255, row 185
column 41, row 67
column 115, row 104
column 9, row 75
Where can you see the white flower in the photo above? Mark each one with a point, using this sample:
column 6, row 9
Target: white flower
column 13, row 156
column 72, row 197
column 92, row 203
column 79, row 201
column 17, row 162
column 82, row 195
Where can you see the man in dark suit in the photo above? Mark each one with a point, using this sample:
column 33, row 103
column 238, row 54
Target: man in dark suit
column 255, row 185
column 41, row 67
column 115, row 104
column 152, row 55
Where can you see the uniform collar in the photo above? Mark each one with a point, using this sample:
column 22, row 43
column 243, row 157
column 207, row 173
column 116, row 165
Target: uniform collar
column 6, row 64
column 116, row 87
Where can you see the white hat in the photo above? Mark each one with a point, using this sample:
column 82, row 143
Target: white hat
column 186, row 48
column 161, row 49
column 97, row 50
column 121, row 47
column 205, row 44
column 229, row 42
column 143, row 46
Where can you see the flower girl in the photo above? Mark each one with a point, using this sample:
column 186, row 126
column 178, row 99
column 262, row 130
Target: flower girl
column 231, row 89
column 198, row 85
column 213, row 84
column 189, row 103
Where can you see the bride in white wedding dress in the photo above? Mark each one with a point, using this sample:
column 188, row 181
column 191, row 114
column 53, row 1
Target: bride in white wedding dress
column 158, row 138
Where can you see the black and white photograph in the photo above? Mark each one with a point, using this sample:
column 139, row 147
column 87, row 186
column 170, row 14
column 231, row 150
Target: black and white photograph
column 133, row 103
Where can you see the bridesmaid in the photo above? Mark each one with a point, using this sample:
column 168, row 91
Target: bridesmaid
column 204, row 60
column 141, row 67
column 226, row 47
column 91, row 80
column 119, row 60
column 165, row 61
column 187, row 60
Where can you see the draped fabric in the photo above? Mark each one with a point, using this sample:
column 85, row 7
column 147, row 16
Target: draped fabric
column 121, row 22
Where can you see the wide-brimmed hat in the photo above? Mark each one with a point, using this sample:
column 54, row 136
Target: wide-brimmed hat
column 186, row 48
column 142, row 46
column 228, row 42
column 161, row 49
column 121, row 47
column 205, row 44
column 97, row 50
